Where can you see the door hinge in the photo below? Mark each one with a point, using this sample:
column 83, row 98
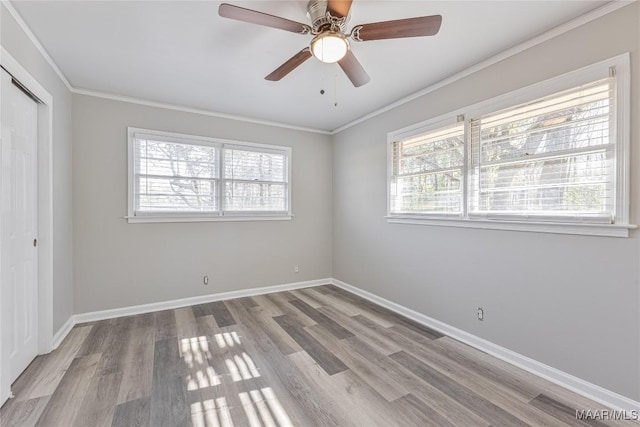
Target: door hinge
column 35, row 242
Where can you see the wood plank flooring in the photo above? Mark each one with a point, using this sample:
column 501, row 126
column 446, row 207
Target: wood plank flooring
column 310, row 357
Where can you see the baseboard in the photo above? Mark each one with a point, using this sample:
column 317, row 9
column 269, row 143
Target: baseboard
column 185, row 302
column 556, row 376
column 63, row 332
column 166, row 305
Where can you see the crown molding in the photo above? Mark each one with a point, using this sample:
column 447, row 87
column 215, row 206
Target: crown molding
column 23, row 25
column 139, row 101
column 561, row 29
column 554, row 32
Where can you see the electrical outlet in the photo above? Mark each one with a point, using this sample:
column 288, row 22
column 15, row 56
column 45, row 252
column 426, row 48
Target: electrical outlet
column 296, row 269
column 205, row 280
column 480, row 314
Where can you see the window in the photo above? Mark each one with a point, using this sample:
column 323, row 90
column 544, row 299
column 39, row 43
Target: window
column 559, row 158
column 551, row 158
column 174, row 177
column 427, row 172
column 256, row 181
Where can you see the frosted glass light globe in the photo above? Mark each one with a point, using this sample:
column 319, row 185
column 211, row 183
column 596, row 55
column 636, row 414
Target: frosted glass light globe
column 329, row 47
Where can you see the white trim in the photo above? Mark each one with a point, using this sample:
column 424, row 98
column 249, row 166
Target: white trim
column 185, row 302
column 45, row 202
column 556, row 376
column 623, row 136
column 167, row 106
column 610, row 230
column 23, row 25
column 548, row 87
column 176, row 218
column 567, row 80
column 63, row 332
column 184, row 138
column 132, row 100
column 220, row 145
column 45, row 198
column 554, row 32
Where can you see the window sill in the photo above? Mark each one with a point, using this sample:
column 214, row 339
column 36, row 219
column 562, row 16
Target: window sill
column 181, row 218
column 609, row 230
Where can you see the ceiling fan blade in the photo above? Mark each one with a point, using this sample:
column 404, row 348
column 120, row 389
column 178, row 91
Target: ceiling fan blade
column 401, row 28
column 339, row 8
column 291, row 64
column 354, row 70
column 254, row 17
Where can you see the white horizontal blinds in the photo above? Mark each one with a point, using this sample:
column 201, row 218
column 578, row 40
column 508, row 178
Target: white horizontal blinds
column 427, row 172
column 255, row 180
column 174, row 176
column 551, row 158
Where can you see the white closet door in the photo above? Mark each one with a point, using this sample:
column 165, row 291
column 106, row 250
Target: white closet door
column 18, row 229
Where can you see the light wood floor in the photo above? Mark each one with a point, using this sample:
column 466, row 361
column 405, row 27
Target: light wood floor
column 314, row 357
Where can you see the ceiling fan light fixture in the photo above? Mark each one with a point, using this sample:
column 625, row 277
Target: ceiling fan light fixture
column 329, row 47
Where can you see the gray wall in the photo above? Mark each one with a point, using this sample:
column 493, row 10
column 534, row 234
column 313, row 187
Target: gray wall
column 16, row 42
column 571, row 302
column 563, row 300
column 118, row 264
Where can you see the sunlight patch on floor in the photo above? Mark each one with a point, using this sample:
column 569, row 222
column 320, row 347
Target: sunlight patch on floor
column 269, row 410
column 227, row 339
column 194, row 350
column 260, row 405
column 241, row 367
column 210, row 413
column 276, row 408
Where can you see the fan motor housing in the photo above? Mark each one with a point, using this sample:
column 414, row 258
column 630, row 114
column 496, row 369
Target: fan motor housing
column 321, row 20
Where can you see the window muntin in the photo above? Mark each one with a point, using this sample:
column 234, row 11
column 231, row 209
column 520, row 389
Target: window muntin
column 553, row 157
column 427, row 172
column 174, row 175
column 601, row 154
column 255, row 180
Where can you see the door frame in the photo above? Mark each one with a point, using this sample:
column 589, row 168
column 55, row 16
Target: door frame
column 45, row 214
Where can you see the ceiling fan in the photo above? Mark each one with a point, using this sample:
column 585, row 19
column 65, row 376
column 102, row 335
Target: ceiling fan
column 330, row 43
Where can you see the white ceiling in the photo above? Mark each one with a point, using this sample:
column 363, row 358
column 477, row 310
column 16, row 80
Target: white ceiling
column 183, row 53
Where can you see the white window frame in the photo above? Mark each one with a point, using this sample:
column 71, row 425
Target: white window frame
column 619, row 228
column 412, row 131
column 221, row 214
